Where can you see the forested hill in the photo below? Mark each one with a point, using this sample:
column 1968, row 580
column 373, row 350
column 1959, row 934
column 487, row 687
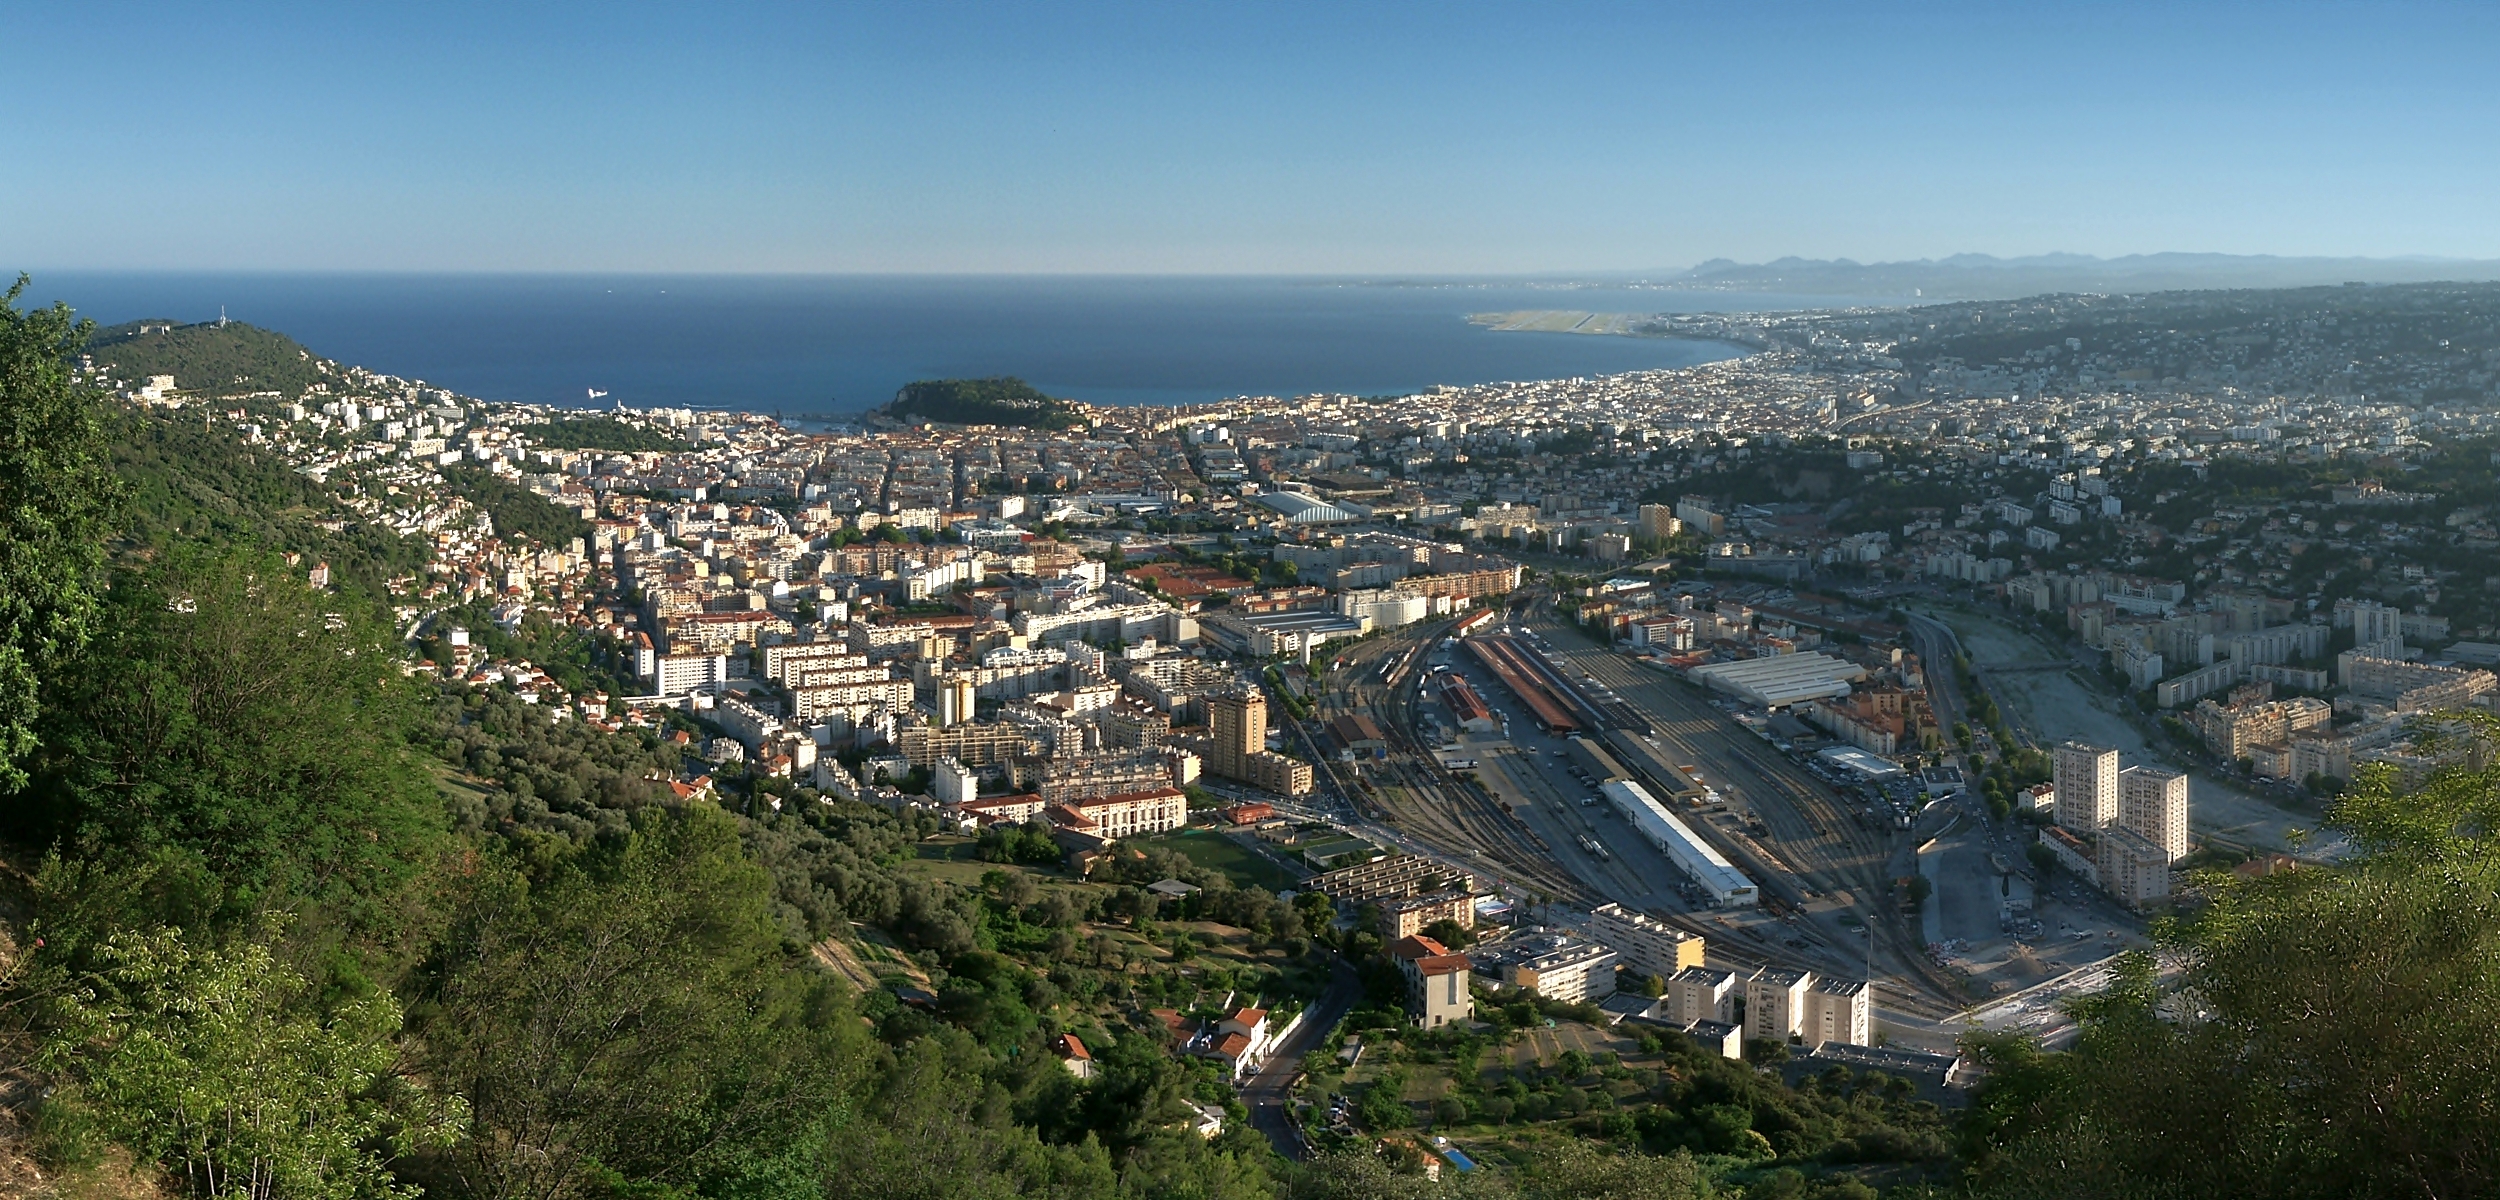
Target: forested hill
column 211, row 358
column 1002, row 400
column 182, row 481
column 597, row 432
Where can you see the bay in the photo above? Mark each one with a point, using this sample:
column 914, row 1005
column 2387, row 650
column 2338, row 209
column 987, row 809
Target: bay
column 830, row 345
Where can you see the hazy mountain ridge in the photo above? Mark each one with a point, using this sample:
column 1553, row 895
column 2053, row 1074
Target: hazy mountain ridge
column 1988, row 277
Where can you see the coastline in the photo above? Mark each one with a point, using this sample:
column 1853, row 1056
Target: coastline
column 834, row 347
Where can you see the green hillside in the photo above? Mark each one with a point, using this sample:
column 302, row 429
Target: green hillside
column 186, row 482
column 209, row 358
column 1002, row 400
column 517, row 509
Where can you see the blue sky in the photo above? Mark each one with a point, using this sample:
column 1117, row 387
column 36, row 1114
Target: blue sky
column 1237, row 137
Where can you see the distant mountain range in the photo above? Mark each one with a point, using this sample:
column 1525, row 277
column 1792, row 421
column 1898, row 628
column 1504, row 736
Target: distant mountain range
column 1987, row 277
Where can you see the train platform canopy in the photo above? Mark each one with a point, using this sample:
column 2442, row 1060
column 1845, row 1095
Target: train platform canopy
column 1865, row 766
column 1782, row 679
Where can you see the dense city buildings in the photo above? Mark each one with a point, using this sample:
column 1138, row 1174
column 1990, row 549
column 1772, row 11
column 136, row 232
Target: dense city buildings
column 2262, row 521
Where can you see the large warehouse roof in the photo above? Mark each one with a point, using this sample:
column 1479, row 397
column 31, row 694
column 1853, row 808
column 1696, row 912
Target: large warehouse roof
column 1781, row 679
column 1308, row 510
column 1693, row 856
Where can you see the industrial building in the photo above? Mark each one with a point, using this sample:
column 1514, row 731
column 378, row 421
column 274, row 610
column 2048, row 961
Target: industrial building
column 1652, row 769
column 1709, row 869
column 1466, row 707
column 1782, row 679
column 1300, row 509
column 1859, row 763
column 1594, row 760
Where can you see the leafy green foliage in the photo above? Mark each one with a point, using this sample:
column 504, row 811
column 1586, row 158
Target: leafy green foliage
column 577, row 659
column 2326, row 1040
column 55, row 501
column 187, row 481
column 1029, row 842
column 238, row 740
column 516, row 509
column 1000, row 400
column 1567, row 1170
column 208, row 358
column 628, row 1007
column 598, row 433
column 204, row 1060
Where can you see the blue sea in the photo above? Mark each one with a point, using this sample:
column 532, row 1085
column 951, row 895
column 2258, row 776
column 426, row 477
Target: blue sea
column 821, row 346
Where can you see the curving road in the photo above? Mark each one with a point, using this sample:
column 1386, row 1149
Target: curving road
column 1266, row 1093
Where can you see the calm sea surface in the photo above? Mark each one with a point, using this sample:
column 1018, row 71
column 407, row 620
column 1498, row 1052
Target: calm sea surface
column 821, row 345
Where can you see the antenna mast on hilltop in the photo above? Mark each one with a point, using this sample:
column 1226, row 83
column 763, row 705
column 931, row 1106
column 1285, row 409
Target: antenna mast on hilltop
column 221, row 316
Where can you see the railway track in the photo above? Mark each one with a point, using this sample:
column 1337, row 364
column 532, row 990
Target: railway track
column 1443, row 806
column 1804, row 823
column 1447, row 812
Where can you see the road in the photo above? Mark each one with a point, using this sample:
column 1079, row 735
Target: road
column 1266, row 1095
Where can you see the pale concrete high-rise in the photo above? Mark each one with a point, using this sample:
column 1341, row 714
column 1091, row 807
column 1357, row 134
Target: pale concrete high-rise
column 1657, row 522
column 2086, row 778
column 2154, row 802
column 2375, row 622
column 1775, row 1003
column 956, row 697
column 1238, row 721
column 1837, row 1010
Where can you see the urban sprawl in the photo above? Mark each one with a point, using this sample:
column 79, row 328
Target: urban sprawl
column 1877, row 683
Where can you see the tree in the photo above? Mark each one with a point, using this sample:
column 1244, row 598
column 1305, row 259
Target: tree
column 231, row 735
column 629, row 1009
column 210, row 1063
column 1572, row 1064
column 56, row 503
column 1382, row 1107
column 2278, row 1068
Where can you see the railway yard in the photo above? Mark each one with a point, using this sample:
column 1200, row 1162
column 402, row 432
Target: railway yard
column 1517, row 800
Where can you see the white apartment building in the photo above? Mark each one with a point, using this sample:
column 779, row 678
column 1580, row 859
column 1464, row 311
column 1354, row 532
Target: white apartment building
column 1702, row 994
column 953, row 783
column 1648, row 945
column 2087, row 786
column 1775, row 1003
column 1131, row 814
column 1568, row 969
column 680, row 674
column 2133, row 869
column 1838, row 1010
column 2154, row 803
